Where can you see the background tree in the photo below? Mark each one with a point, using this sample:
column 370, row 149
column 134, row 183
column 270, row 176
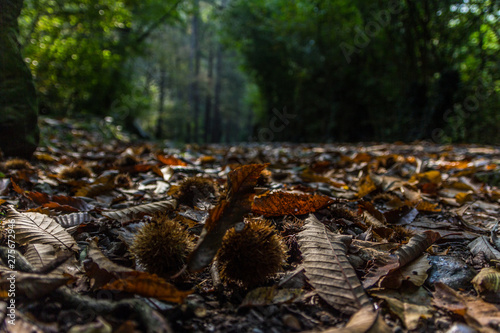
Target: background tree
column 18, row 102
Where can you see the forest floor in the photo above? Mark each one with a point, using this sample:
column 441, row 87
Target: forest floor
column 105, row 235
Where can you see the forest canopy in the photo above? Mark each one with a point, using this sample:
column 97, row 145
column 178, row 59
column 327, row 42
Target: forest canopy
column 271, row 70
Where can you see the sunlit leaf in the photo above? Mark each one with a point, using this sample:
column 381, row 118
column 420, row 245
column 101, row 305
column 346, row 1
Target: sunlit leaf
column 39, row 228
column 287, row 203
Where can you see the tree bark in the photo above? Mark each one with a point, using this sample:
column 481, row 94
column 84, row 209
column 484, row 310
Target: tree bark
column 195, row 70
column 208, row 98
column 161, row 106
column 19, row 133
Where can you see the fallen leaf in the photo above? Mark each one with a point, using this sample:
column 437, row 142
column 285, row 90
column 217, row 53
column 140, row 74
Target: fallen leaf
column 408, row 305
column 286, row 203
column 226, row 214
column 328, row 269
column 148, row 285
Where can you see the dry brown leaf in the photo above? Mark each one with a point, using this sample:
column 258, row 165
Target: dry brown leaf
column 226, row 214
column 409, row 305
column 287, row 203
column 60, row 208
column 170, row 160
column 148, row 285
column 480, row 315
column 32, row 285
column 464, row 197
column 416, row 271
column 487, row 284
column 328, row 269
column 387, row 271
column 428, row 207
column 73, row 220
column 482, row 244
column 140, row 210
column 366, row 320
column 366, row 186
column 39, row 228
column 39, row 255
column 38, row 198
column 100, row 269
column 448, row 299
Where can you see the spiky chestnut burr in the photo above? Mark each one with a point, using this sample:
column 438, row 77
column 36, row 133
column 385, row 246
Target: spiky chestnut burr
column 193, row 189
column 75, row 172
column 162, row 246
column 251, row 256
column 16, row 164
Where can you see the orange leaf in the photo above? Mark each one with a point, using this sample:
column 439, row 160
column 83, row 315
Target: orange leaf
column 426, row 206
column 38, row 198
column 287, row 203
column 432, row 176
column 243, row 179
column 170, row 160
column 231, row 210
column 77, row 203
column 366, row 186
column 60, row 208
column 148, row 285
column 463, row 197
column 16, row 187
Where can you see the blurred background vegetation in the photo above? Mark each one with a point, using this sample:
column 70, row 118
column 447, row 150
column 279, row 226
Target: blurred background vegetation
column 224, row 70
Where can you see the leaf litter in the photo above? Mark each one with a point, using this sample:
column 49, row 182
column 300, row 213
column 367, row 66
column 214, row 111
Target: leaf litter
column 358, row 222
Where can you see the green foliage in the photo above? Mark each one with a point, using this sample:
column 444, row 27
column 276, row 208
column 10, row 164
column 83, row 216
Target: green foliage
column 367, row 70
column 79, row 51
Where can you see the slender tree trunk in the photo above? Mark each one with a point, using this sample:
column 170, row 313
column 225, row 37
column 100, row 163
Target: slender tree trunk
column 208, row 97
column 18, row 102
column 217, row 119
column 195, row 70
column 161, row 106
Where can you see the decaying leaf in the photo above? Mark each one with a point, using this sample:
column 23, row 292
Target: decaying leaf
column 32, row 285
column 73, row 219
column 39, row 228
column 416, row 246
column 148, row 285
column 40, row 255
column 134, row 211
column 226, row 214
column 416, row 271
column 447, row 298
column 408, row 305
column 287, row 203
column 480, row 315
column 100, row 269
column 328, row 269
column 487, row 284
column 366, row 320
column 366, row 186
column 386, row 272
column 482, row 244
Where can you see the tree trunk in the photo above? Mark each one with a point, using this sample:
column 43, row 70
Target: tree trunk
column 217, row 119
column 208, row 97
column 161, row 106
column 195, row 70
column 18, row 102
